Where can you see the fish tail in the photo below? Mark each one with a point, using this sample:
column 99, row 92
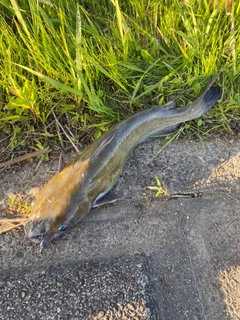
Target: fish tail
column 207, row 100
column 210, row 98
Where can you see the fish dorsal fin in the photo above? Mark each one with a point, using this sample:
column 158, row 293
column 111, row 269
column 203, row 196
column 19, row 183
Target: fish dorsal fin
column 103, row 145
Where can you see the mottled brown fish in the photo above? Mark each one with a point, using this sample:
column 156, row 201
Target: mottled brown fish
column 85, row 182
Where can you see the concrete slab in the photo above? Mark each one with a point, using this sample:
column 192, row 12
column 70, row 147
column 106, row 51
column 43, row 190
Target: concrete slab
column 144, row 257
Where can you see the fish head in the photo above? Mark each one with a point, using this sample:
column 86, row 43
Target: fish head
column 50, row 217
column 44, row 226
column 43, row 231
column 59, row 205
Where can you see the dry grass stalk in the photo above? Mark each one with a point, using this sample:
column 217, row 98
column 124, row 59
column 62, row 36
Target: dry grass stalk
column 7, row 225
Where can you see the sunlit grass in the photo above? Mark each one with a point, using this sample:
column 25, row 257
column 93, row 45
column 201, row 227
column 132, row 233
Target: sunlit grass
column 96, row 63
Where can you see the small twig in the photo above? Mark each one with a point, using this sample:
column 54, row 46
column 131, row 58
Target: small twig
column 68, row 119
column 10, row 221
column 6, row 229
column 25, row 157
column 6, row 138
column 61, row 162
column 8, row 224
column 184, row 195
column 69, row 131
column 50, row 124
column 59, row 135
column 75, row 147
column 38, row 165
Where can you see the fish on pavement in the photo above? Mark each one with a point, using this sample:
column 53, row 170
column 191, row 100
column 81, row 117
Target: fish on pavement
column 86, row 180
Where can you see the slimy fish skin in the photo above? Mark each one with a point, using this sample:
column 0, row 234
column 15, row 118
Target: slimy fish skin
column 86, row 180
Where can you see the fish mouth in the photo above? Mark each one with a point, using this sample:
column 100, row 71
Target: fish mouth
column 43, row 241
column 36, row 239
column 38, row 236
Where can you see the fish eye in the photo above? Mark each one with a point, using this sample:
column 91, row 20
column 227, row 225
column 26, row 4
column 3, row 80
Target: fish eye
column 63, row 227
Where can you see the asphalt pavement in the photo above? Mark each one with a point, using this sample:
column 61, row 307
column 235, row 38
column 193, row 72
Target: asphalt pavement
column 170, row 257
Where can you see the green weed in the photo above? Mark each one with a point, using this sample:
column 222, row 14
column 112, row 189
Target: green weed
column 18, row 205
column 96, row 63
column 159, row 188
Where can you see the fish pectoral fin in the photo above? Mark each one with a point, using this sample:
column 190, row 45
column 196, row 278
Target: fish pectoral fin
column 161, row 132
column 170, row 105
column 103, row 145
column 108, row 198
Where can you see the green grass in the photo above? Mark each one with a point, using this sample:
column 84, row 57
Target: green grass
column 96, row 63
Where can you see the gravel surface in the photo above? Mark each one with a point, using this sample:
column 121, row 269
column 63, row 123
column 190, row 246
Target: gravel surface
column 142, row 258
column 118, row 289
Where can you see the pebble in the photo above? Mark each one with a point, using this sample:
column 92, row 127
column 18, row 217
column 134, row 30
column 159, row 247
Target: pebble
column 101, row 314
column 130, row 307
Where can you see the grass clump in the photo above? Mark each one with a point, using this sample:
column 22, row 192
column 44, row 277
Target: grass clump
column 16, row 205
column 95, row 63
